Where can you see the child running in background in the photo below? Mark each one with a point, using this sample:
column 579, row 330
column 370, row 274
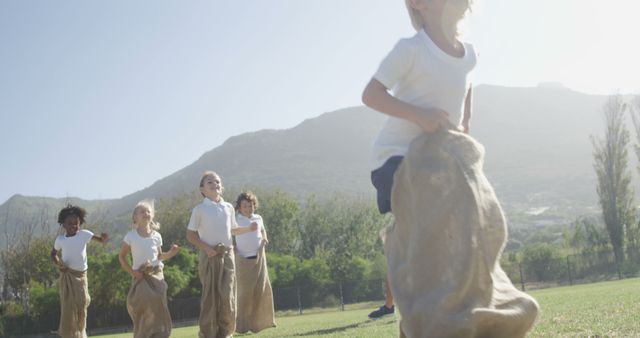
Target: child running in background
column 74, row 292
column 255, row 297
column 210, row 228
column 147, row 297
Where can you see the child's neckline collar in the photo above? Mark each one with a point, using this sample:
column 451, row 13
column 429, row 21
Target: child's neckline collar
column 212, row 201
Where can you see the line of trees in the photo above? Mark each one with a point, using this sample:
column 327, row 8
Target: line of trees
column 313, row 243
column 611, row 164
column 589, row 241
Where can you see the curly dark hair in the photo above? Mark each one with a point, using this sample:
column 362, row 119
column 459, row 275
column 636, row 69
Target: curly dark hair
column 72, row 210
column 247, row 196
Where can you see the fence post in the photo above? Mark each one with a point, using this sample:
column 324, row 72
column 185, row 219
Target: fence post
column 569, row 270
column 341, row 297
column 299, row 299
column 521, row 277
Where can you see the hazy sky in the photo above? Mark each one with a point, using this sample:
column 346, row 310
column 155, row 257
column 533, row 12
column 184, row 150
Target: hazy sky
column 99, row 99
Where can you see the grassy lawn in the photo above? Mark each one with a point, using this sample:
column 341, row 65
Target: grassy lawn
column 601, row 309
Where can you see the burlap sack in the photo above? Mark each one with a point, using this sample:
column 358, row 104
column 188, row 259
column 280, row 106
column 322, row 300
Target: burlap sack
column 218, row 302
column 443, row 252
column 255, row 297
column 147, row 305
column 74, row 301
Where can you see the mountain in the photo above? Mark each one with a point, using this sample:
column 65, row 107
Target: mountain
column 538, row 144
column 538, row 155
column 41, row 214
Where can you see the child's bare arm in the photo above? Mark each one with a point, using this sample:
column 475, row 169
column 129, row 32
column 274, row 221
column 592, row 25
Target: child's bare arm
column 163, row 256
column 103, row 238
column 194, row 238
column 468, row 103
column 122, row 256
column 54, row 256
column 243, row 230
column 57, row 261
column 377, row 96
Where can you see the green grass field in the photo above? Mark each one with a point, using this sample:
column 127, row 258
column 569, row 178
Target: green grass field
column 602, row 309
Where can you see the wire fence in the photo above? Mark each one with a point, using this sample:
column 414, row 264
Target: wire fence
column 573, row 269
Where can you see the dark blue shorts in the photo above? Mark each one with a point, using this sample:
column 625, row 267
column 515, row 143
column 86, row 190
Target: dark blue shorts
column 382, row 179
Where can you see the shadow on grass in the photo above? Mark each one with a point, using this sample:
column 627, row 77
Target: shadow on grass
column 335, row 329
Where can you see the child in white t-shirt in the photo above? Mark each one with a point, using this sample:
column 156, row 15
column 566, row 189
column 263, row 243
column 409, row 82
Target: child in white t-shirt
column 428, row 74
column 147, row 297
column 74, row 293
column 249, row 244
column 255, row 296
column 210, row 228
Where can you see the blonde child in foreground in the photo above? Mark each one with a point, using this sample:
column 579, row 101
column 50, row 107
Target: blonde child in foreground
column 147, row 297
column 74, row 292
column 210, row 228
column 255, row 296
column 429, row 76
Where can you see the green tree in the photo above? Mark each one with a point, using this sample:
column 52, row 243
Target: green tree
column 181, row 274
column 633, row 234
column 279, row 212
column 283, row 269
column 27, row 260
column 542, row 262
column 173, row 215
column 108, row 282
column 355, row 226
column 610, row 164
column 44, row 301
column 316, row 227
column 585, row 236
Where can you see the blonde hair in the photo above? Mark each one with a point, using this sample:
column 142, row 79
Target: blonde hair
column 149, row 205
column 207, row 174
column 454, row 12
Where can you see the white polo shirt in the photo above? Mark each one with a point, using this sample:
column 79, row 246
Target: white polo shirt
column 213, row 221
column 420, row 73
column 249, row 243
column 74, row 249
column 144, row 249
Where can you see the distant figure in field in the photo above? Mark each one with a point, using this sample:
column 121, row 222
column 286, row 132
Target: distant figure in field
column 443, row 250
column 147, row 297
column 210, row 228
column 255, row 297
column 74, row 292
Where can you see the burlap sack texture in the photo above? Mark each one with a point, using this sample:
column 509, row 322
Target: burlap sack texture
column 443, row 251
column 74, row 301
column 147, row 305
column 218, row 302
column 255, row 297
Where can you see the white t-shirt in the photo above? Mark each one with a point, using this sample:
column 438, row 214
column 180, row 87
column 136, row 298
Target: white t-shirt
column 74, row 249
column 213, row 222
column 249, row 243
column 420, row 73
column 144, row 249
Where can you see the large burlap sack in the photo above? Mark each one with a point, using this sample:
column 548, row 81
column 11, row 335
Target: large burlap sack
column 147, row 305
column 218, row 302
column 443, row 251
column 255, row 297
column 74, row 301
